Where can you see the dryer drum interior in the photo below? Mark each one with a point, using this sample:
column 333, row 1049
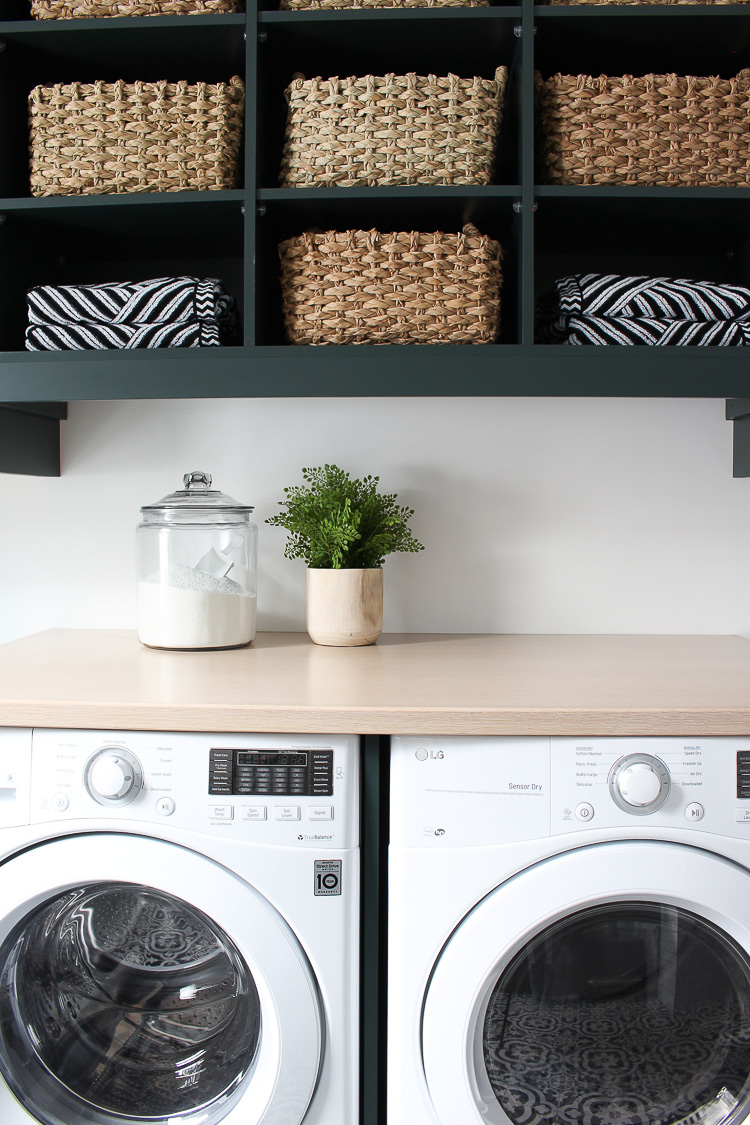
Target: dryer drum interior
column 622, row 1014
column 127, row 1003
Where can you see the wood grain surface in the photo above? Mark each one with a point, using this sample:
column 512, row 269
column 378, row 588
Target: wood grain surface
column 404, row 684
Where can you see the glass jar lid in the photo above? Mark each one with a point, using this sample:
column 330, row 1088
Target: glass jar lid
column 197, row 496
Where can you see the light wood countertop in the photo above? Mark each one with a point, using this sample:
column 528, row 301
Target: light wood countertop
column 404, row 684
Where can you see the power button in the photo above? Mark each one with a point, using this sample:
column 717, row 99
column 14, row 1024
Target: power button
column 584, row 811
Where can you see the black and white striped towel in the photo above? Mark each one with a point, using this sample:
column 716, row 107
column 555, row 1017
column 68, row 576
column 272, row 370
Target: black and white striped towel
column 660, row 333
column 163, row 300
column 164, row 312
column 663, row 298
column 91, row 337
column 608, row 309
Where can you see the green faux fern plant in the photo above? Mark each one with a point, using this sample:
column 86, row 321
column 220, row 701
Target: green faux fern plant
column 337, row 523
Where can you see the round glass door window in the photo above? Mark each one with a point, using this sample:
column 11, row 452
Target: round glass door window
column 625, row 1014
column 121, row 1003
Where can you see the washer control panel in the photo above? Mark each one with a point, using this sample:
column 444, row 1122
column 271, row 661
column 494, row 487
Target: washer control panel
column 271, row 789
column 292, row 773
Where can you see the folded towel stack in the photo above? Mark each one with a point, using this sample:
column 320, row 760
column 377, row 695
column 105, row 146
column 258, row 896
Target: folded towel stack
column 597, row 308
column 166, row 312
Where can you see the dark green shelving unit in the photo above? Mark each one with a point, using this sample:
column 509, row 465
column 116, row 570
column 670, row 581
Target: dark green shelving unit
column 546, row 232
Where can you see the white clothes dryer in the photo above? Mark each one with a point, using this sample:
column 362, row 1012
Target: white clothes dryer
column 179, row 928
column 569, row 931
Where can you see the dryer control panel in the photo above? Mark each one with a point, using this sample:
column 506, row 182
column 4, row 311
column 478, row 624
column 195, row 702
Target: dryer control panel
column 455, row 791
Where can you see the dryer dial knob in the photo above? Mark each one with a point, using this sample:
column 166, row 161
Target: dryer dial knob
column 113, row 776
column 639, row 783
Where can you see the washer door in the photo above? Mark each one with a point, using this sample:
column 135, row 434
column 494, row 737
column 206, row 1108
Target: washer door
column 142, row 982
column 605, row 986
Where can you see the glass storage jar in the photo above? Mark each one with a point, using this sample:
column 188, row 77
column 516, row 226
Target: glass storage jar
column 196, row 569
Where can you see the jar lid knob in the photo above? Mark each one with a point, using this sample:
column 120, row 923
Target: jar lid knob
column 197, row 480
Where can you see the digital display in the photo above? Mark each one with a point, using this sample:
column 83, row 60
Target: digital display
column 270, row 758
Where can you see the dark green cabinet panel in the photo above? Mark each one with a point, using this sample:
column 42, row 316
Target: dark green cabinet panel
column 546, row 232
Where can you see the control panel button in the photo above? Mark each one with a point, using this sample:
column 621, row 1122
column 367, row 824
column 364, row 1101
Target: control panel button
column 165, row 806
column 743, row 815
column 320, row 812
column 584, row 811
column 221, row 812
column 743, row 773
column 253, row 812
column 694, row 811
column 286, row 812
column 60, row 802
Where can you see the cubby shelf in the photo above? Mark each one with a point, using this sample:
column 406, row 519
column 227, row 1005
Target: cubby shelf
column 546, row 232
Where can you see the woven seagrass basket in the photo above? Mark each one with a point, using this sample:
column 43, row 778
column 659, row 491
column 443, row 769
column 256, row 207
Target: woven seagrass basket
column 659, row 129
column 394, row 129
column 100, row 138
column 105, row 9
column 327, row 4
column 405, row 287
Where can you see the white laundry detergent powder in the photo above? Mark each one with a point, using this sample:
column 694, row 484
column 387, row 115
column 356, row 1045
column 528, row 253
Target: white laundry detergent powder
column 190, row 608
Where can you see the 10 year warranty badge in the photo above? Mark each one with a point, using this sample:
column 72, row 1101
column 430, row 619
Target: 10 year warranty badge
column 327, row 877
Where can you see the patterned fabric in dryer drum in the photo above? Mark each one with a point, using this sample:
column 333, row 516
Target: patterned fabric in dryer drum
column 608, row 309
column 162, row 312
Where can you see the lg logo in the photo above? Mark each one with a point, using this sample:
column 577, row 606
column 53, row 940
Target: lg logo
column 422, row 755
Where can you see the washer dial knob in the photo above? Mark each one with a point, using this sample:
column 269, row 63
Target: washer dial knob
column 113, row 776
column 639, row 783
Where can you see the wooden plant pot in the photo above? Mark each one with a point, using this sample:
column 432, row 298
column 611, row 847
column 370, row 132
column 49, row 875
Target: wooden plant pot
column 344, row 607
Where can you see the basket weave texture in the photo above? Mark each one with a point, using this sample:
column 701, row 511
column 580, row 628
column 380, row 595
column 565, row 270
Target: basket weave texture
column 660, row 129
column 100, row 138
column 393, row 129
column 405, row 287
column 103, row 9
column 296, row 5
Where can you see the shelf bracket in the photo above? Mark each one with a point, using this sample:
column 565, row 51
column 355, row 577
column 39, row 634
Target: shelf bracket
column 30, row 438
column 738, row 412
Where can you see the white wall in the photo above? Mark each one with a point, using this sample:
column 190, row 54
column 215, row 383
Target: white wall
column 538, row 515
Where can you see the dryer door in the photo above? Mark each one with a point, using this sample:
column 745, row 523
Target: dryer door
column 142, row 982
column 605, row 986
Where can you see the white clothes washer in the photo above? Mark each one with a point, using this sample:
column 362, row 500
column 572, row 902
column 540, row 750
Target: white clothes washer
column 179, row 928
column 569, row 931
